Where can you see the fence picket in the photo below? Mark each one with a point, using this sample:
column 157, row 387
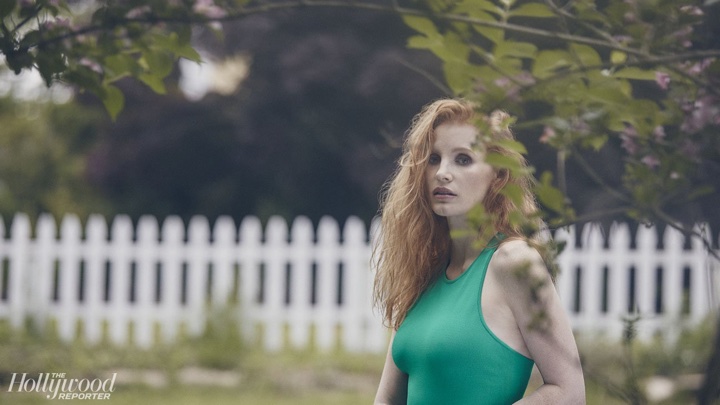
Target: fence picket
column 17, row 269
column 300, row 277
column 312, row 289
column 173, row 265
column 118, row 272
column 95, row 253
column 146, row 246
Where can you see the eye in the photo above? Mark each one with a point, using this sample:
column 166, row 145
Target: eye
column 463, row 160
column 433, row 159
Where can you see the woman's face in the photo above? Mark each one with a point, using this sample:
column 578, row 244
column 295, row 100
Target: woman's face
column 457, row 176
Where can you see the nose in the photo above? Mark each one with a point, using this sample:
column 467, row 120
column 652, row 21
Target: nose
column 443, row 173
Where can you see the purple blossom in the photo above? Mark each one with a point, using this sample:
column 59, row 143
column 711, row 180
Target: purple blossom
column 579, row 126
column 683, row 35
column 662, row 79
column 659, row 133
column 703, row 112
column 628, row 137
column 651, row 161
column 699, row 67
column 690, row 150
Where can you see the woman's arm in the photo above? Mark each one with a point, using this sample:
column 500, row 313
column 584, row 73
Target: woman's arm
column 543, row 323
column 393, row 383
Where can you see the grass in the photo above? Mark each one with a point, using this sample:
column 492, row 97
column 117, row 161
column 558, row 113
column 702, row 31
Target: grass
column 305, row 377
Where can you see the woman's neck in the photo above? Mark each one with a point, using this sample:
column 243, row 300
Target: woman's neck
column 465, row 246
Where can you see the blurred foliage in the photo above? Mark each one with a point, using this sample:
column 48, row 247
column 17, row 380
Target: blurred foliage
column 624, row 369
column 584, row 76
column 635, row 80
column 42, row 158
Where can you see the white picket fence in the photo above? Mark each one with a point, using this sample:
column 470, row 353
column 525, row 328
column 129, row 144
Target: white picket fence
column 297, row 286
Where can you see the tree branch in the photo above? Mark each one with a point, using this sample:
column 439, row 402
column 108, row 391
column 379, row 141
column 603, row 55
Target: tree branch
column 393, row 8
column 596, row 177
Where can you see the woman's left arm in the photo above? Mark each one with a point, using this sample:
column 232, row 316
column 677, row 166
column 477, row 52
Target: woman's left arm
column 543, row 323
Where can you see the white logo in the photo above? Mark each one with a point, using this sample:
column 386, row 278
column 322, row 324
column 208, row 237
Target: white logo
column 56, row 386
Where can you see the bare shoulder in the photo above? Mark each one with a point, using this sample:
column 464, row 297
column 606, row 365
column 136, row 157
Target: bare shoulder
column 515, row 260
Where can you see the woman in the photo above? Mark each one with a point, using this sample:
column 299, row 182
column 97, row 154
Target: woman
column 471, row 302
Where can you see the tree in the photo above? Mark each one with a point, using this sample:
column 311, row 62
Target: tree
column 638, row 79
column 42, row 159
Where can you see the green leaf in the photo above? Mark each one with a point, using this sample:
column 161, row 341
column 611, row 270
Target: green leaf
column 422, row 25
column 159, row 63
column 30, row 39
column 84, row 78
column 587, row 55
column 516, row 49
column 547, row 62
column 495, row 35
column 595, row 141
column 617, row 57
column 120, row 65
column 155, row 82
column 700, row 192
column 635, row 73
column 532, row 10
column 460, row 76
column 506, row 162
column 19, row 60
column 113, row 99
column 549, row 195
column 49, row 64
column 178, row 46
column 6, row 7
column 514, row 193
column 512, row 145
column 475, row 8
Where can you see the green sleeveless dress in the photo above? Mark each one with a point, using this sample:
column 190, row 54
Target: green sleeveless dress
column 448, row 351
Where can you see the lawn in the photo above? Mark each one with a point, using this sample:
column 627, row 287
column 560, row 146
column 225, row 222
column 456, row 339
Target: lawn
column 217, row 369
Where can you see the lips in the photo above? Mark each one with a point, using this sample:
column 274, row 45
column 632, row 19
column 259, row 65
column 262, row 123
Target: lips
column 443, row 192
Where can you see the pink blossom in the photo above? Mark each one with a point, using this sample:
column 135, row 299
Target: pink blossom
column 548, row 134
column 659, row 133
column 651, row 161
column 91, row 64
column 622, row 38
column 57, row 23
column 138, row 12
column 502, row 82
column 692, row 10
column 208, row 9
column 662, row 79
column 525, row 78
